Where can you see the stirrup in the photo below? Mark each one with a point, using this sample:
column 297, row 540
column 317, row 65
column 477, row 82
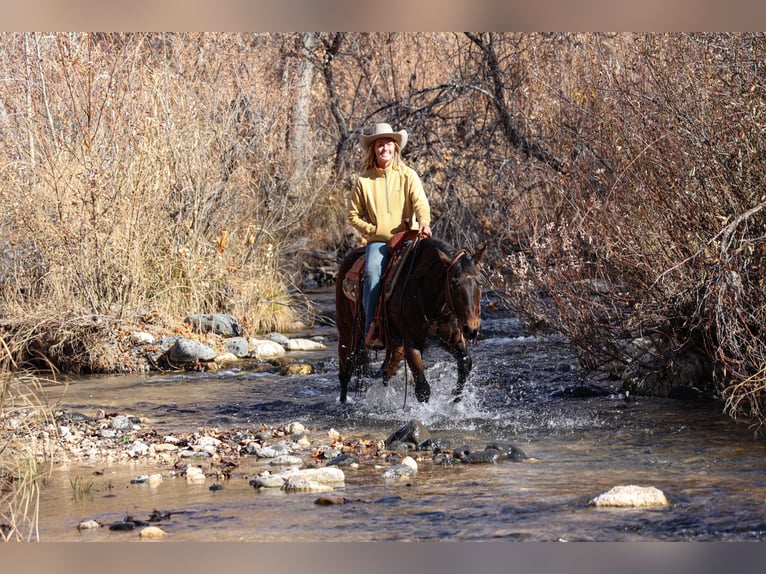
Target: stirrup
column 373, row 340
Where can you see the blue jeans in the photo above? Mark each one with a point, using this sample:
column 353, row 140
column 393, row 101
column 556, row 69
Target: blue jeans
column 376, row 258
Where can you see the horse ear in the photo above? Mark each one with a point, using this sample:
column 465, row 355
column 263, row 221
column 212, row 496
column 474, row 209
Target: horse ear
column 479, row 253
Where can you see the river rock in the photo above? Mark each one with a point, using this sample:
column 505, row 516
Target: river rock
column 330, row 499
column 188, row 351
column 307, row 480
column 298, row 483
column 122, row 423
column 88, row 525
column 408, row 467
column 263, row 350
column 287, row 460
column 304, row 345
column 297, row 369
column 631, row 496
column 151, row 532
column 486, row 456
column 295, row 428
column 194, row 475
column 138, row 448
column 508, row 450
column 414, row 432
column 219, row 323
column 279, row 338
column 142, row 338
column 237, row 346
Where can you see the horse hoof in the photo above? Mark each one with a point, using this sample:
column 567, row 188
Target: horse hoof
column 423, row 395
column 457, row 399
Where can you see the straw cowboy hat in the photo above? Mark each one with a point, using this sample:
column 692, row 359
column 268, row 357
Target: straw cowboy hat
column 384, row 130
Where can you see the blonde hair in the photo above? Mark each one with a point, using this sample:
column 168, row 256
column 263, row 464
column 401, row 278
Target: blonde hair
column 369, row 159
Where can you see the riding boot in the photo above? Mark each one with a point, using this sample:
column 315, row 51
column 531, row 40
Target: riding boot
column 373, row 340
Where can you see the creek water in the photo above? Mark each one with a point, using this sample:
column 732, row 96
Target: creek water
column 712, row 469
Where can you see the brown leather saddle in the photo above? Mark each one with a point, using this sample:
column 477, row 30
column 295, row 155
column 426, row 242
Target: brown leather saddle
column 401, row 246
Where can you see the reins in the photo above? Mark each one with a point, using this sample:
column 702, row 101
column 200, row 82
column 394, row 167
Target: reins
column 450, row 302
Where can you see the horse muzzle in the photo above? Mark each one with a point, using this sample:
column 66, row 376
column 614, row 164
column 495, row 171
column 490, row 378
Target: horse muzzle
column 470, row 333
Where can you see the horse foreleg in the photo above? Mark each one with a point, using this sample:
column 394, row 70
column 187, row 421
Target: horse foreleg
column 345, row 369
column 394, row 356
column 415, row 361
column 464, row 365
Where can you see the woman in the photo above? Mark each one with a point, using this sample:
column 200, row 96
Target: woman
column 388, row 198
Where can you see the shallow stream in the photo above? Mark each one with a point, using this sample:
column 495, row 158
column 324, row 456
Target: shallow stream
column 712, row 470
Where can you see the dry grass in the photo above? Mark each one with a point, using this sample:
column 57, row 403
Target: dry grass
column 24, row 464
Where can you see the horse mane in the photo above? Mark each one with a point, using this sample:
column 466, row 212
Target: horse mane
column 428, row 253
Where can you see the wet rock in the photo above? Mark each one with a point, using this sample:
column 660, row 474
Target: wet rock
column 443, row 459
column 508, row 450
column 408, row 467
column 298, row 483
column 218, row 323
column 268, row 451
column 297, row 369
column 329, row 453
column 487, row 456
column 401, row 446
column 215, row 487
column 123, row 525
column 461, row 451
column 414, row 432
column 188, row 351
column 342, row 459
column 433, row 445
column 194, row 475
column 88, row 525
column 630, row 496
column 306, row 480
column 140, row 479
column 287, row 460
column 329, row 500
column 152, row 532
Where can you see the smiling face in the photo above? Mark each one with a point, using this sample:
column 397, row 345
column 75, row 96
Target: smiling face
column 385, row 148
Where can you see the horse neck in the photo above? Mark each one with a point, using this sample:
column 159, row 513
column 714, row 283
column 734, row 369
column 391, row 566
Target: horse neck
column 432, row 276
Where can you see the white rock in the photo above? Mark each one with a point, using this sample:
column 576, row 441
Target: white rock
column 138, row 448
column 226, row 358
column 631, row 496
column 287, row 460
column 278, row 338
column 295, row 428
column 141, row 338
column 304, row 345
column 152, row 532
column 302, row 484
column 406, row 468
column 194, row 475
column 260, row 349
column 88, row 524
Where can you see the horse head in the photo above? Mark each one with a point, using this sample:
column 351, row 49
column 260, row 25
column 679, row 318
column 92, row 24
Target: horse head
column 463, row 291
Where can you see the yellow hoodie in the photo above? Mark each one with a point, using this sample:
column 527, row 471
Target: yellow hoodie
column 382, row 199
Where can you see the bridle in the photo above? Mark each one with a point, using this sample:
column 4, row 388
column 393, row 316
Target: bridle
column 450, row 303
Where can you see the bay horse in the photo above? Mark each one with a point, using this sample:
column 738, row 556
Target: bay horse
column 437, row 296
